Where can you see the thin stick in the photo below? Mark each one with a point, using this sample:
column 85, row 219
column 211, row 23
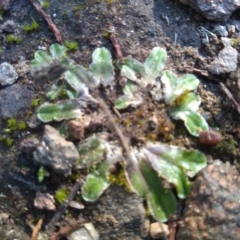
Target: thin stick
column 48, row 19
column 191, row 69
column 173, row 222
column 68, row 229
column 222, row 86
column 230, row 96
column 37, row 228
column 117, row 47
column 63, row 207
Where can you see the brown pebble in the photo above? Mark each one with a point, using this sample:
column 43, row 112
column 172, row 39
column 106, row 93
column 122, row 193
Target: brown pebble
column 76, row 129
column 210, row 137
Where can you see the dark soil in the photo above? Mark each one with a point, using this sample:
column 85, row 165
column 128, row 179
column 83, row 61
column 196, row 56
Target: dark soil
column 140, row 25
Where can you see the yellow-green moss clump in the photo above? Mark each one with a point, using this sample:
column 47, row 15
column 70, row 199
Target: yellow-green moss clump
column 10, row 38
column 227, row 146
column 71, row 45
column 119, row 179
column 29, row 28
column 45, row 4
column 61, row 195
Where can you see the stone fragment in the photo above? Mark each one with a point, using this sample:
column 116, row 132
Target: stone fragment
column 8, row 27
column 29, row 145
column 8, row 74
column 213, row 207
column 119, row 214
column 76, row 129
column 14, row 100
column 159, row 230
column 220, row 30
column 88, row 232
column 76, row 205
column 4, row 217
column 44, row 201
column 33, row 122
column 22, row 67
column 56, row 152
column 216, row 10
column 231, row 29
column 227, row 42
column 226, row 61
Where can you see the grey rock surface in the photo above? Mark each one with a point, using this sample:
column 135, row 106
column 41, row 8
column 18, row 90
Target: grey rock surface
column 118, row 214
column 88, row 232
column 8, row 27
column 226, row 61
column 8, row 74
column 216, row 10
column 29, row 145
column 220, row 30
column 56, row 152
column 14, row 100
column 213, row 207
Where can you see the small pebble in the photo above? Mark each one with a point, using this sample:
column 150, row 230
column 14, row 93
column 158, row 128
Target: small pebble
column 76, row 129
column 88, row 232
column 44, row 201
column 159, row 230
column 210, row 137
column 76, row 205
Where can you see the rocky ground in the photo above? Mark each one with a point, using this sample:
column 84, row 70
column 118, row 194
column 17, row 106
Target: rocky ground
column 201, row 38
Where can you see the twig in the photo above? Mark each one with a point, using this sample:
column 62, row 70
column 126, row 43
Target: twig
column 117, row 47
column 48, row 19
column 230, row 96
column 37, row 228
column 68, row 229
column 113, row 108
column 63, row 207
column 173, row 222
column 222, row 86
column 116, row 112
column 201, row 72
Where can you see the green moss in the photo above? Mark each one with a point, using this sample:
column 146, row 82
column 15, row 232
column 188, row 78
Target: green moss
column 29, row 113
column 22, row 125
column 234, row 42
column 109, row 1
column 1, row 49
column 45, row 4
column 9, row 141
column 29, row 28
column 61, row 195
column 119, row 179
column 35, row 102
column 106, row 34
column 10, row 38
column 42, row 173
column 12, row 124
column 71, row 45
column 94, row 143
column 227, row 146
